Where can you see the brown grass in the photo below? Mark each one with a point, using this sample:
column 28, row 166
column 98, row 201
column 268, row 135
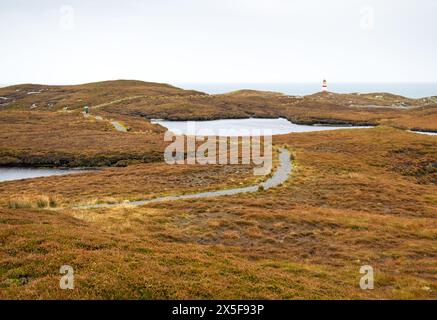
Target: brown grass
column 29, row 202
column 70, row 140
column 347, row 205
column 134, row 182
column 75, row 97
column 313, row 109
column 134, row 99
column 356, row 197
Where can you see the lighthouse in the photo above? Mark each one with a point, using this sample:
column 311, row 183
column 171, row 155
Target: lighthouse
column 324, row 86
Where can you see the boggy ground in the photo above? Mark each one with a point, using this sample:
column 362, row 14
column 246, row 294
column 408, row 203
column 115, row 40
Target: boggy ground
column 356, row 197
column 43, row 138
column 134, row 182
column 44, row 126
column 320, row 108
column 135, row 99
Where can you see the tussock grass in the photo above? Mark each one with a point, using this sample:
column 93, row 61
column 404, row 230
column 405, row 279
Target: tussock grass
column 356, row 197
column 135, row 182
column 19, row 203
column 33, row 202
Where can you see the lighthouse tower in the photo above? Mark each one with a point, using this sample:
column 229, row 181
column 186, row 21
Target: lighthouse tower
column 324, row 86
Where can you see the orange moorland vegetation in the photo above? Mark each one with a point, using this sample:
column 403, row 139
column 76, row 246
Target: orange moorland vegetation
column 69, row 139
column 43, row 125
column 154, row 100
column 134, row 182
column 322, row 108
column 356, row 197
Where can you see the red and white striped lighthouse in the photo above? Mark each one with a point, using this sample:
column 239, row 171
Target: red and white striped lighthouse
column 325, row 86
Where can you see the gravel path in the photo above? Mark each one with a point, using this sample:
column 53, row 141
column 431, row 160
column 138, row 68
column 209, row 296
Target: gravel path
column 118, row 126
column 281, row 175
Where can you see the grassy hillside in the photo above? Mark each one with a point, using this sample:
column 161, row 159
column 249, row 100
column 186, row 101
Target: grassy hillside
column 35, row 138
column 43, row 125
column 136, row 99
column 33, row 96
column 356, row 197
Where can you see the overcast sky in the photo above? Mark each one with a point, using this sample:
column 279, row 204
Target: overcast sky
column 57, row 42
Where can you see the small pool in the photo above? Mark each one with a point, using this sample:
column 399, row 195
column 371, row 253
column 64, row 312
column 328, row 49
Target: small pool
column 424, row 132
column 10, row 174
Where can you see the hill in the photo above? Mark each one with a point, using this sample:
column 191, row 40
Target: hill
column 43, row 125
column 33, row 96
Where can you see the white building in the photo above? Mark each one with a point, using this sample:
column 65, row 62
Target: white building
column 324, row 86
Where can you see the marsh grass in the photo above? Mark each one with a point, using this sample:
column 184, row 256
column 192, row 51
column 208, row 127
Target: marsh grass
column 346, row 204
column 33, row 202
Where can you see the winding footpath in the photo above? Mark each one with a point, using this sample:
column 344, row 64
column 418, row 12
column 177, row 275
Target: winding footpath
column 280, row 176
column 117, row 125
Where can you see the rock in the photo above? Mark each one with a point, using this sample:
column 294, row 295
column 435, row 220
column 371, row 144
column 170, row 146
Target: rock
column 24, row 280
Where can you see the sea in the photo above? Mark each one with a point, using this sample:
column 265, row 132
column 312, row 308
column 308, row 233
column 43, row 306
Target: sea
column 410, row 90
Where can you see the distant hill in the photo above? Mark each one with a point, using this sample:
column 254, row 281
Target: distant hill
column 30, row 96
column 253, row 93
column 138, row 99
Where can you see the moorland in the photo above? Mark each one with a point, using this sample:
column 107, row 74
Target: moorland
column 355, row 197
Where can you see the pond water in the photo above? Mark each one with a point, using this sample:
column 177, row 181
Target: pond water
column 9, row 174
column 237, row 127
column 425, row 132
